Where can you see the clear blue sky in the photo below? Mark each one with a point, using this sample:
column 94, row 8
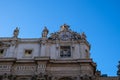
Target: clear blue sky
column 99, row 19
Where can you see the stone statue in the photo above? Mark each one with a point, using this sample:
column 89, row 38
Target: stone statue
column 64, row 27
column 83, row 36
column 16, row 32
column 118, row 72
column 45, row 32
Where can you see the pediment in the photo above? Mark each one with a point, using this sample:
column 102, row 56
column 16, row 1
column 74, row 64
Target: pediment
column 65, row 33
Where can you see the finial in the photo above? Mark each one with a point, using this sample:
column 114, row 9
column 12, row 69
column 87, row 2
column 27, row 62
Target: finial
column 16, row 32
column 45, row 32
column 64, row 27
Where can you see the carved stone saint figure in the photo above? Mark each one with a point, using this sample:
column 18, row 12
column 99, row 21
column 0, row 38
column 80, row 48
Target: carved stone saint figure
column 45, row 32
column 83, row 36
column 118, row 72
column 16, row 32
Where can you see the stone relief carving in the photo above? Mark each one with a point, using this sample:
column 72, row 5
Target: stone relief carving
column 54, row 36
column 65, row 34
column 5, row 67
column 41, row 68
column 23, row 68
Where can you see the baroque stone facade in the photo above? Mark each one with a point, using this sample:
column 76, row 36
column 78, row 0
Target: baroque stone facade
column 64, row 55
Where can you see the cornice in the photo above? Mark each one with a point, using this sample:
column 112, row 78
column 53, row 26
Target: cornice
column 7, row 59
column 25, row 61
column 41, row 58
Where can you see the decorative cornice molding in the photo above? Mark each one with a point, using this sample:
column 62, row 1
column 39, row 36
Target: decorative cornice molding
column 7, row 59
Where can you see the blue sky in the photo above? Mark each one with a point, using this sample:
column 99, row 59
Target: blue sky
column 99, row 19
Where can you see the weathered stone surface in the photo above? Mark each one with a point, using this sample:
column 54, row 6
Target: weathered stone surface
column 64, row 55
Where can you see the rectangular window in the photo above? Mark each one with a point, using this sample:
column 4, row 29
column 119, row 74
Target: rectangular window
column 1, row 52
column 65, row 51
column 28, row 53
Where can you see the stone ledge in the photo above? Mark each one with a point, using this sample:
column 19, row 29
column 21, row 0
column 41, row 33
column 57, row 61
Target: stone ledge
column 71, row 61
column 7, row 59
column 25, row 60
column 84, row 60
column 42, row 58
